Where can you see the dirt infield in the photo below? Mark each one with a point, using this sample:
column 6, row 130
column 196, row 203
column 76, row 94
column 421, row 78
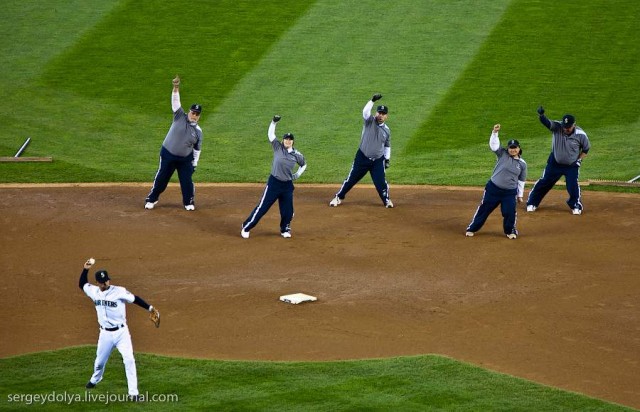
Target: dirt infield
column 560, row 305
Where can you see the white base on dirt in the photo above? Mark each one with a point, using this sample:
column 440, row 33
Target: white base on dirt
column 297, row 298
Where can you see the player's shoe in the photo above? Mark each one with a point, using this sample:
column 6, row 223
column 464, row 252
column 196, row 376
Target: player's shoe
column 285, row 234
column 134, row 398
column 90, row 385
column 513, row 234
column 244, row 234
column 388, row 203
column 576, row 211
column 531, row 208
column 189, row 207
column 469, row 234
column 150, row 205
column 335, row 201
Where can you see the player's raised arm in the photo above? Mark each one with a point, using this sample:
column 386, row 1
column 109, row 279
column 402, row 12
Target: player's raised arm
column 366, row 111
column 494, row 140
column 175, row 94
column 85, row 272
column 543, row 119
column 271, row 133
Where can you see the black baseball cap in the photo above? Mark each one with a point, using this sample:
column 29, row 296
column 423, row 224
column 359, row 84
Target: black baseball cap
column 288, row 136
column 102, row 276
column 568, row 120
column 196, row 108
column 383, row 109
column 513, row 143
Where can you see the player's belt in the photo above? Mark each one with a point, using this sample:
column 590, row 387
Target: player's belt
column 112, row 329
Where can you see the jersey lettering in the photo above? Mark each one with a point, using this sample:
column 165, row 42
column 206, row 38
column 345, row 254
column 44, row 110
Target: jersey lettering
column 107, row 303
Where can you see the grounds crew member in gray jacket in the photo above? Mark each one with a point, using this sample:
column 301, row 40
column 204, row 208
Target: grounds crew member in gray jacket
column 373, row 155
column 180, row 151
column 569, row 145
column 280, row 183
column 505, row 185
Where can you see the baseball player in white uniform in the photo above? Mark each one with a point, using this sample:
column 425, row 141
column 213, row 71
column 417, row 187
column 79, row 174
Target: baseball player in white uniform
column 110, row 301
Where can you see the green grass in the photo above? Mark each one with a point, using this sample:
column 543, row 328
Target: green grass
column 588, row 65
column 104, row 103
column 416, row 383
column 90, row 83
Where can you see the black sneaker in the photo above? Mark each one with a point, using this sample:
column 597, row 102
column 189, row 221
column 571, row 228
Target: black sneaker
column 90, row 385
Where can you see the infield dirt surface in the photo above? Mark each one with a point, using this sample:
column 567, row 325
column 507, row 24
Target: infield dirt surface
column 560, row 305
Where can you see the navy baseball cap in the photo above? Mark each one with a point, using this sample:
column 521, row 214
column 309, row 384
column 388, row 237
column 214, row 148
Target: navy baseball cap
column 513, row 143
column 288, row 136
column 568, row 120
column 196, row 108
column 102, row 276
column 383, row 109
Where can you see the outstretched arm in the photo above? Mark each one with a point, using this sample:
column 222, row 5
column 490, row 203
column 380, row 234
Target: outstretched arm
column 83, row 278
column 494, row 140
column 175, row 95
column 272, row 128
column 543, row 119
column 546, row 122
column 140, row 302
column 366, row 111
column 154, row 314
column 85, row 272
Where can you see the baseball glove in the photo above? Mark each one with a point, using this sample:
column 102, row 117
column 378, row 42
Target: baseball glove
column 154, row 316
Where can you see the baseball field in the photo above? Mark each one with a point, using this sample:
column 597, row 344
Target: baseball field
column 411, row 315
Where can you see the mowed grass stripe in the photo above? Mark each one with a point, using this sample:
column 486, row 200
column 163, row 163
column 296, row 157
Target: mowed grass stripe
column 31, row 34
column 130, row 57
column 320, row 74
column 574, row 56
column 104, row 104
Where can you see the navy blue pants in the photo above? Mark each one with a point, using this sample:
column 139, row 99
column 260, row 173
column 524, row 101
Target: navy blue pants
column 275, row 190
column 492, row 197
column 552, row 173
column 362, row 165
column 169, row 164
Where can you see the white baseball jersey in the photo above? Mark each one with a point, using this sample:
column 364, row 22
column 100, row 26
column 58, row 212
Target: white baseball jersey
column 110, row 304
